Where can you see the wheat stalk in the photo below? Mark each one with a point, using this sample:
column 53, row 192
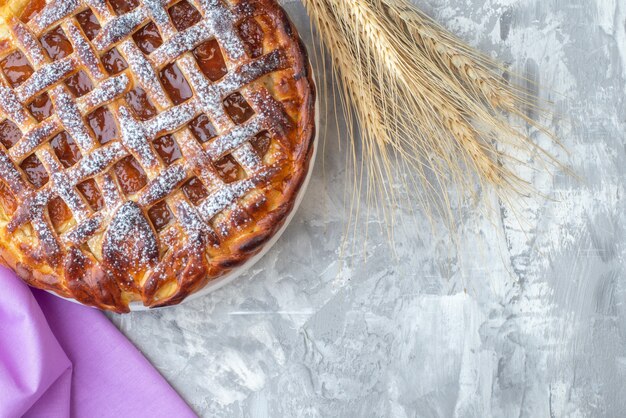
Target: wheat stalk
column 425, row 102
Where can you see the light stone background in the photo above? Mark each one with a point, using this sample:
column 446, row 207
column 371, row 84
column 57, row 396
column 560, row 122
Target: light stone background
column 506, row 324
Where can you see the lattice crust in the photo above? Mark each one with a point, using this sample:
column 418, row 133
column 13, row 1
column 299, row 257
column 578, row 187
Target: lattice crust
column 117, row 252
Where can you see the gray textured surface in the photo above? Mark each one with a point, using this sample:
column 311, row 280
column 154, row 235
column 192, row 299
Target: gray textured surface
column 507, row 324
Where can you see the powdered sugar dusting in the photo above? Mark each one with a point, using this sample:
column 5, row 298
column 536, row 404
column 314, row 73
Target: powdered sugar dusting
column 120, row 28
column 34, row 138
column 226, row 196
column 180, row 43
column 28, row 43
column 47, row 239
column 11, row 176
column 233, row 139
column 163, row 185
column 45, row 77
column 221, row 21
column 84, row 230
column 135, row 138
column 11, row 106
column 145, row 73
column 208, row 96
column 70, row 117
column 98, row 161
column 110, row 192
column 84, row 52
column 101, row 8
column 64, row 188
column 189, row 219
column 32, row 208
column 130, row 240
column 110, row 89
column 253, row 70
column 160, row 16
column 171, row 120
column 52, row 13
column 248, row 158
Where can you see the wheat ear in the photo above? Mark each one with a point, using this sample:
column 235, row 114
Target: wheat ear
column 424, row 101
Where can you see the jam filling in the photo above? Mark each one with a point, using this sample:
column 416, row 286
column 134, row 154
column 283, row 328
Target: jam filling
column 138, row 100
column 202, row 128
column 114, row 63
column 31, row 9
column 261, row 142
column 160, row 215
column 41, row 107
column 228, row 169
column 184, row 15
column 252, row 36
column 34, row 170
column 148, row 38
column 88, row 21
column 65, row 149
column 167, row 148
column 58, row 212
column 195, row 191
column 237, row 108
column 16, row 68
column 79, row 84
column 9, row 133
column 175, row 84
column 102, row 123
column 123, row 6
column 89, row 189
column 210, row 59
column 56, row 44
column 130, row 175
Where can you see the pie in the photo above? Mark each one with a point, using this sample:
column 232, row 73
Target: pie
column 147, row 147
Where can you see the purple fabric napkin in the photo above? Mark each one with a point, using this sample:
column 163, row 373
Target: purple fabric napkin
column 59, row 359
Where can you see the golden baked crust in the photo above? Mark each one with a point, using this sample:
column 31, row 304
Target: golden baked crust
column 147, row 147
